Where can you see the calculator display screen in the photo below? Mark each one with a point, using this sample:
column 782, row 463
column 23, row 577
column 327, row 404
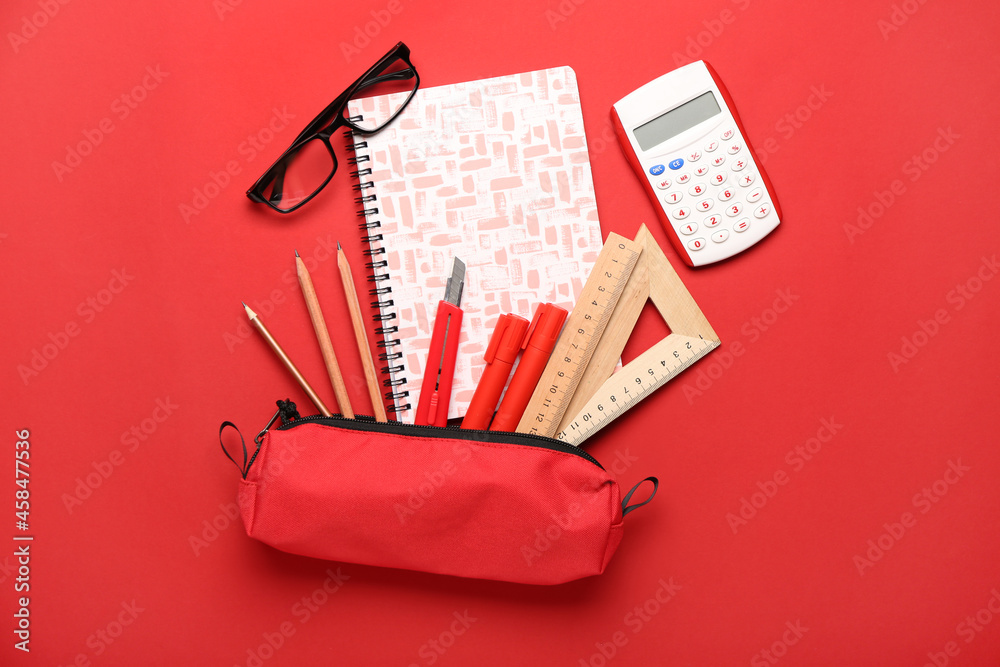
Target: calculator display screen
column 676, row 121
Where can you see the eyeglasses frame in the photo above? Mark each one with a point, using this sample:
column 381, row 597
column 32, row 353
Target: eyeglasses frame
column 319, row 127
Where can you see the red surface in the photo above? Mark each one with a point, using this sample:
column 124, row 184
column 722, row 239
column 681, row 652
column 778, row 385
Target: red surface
column 869, row 341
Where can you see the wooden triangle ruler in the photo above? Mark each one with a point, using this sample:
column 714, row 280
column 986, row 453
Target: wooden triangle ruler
column 588, row 397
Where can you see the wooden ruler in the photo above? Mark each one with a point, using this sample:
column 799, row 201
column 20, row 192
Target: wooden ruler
column 602, row 397
column 581, row 334
column 650, row 370
column 577, row 394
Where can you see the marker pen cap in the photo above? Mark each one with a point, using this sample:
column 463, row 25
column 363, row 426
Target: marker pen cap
column 507, row 339
column 545, row 327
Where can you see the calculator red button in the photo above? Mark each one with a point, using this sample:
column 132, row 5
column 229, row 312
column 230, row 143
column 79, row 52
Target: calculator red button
column 712, row 221
column 739, row 165
column 728, row 134
column 755, row 196
column 694, row 156
column 734, row 148
column 683, row 178
column 696, row 244
column 701, row 171
column 689, row 228
column 719, row 178
column 742, row 225
column 681, row 213
column 711, row 146
column 673, row 197
column 720, row 236
column 697, row 189
column 735, row 210
column 663, row 183
column 718, row 160
column 762, row 211
column 705, row 205
column 727, row 194
column 747, row 179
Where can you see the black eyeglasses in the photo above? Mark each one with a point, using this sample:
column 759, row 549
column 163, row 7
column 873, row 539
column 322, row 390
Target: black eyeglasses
column 309, row 163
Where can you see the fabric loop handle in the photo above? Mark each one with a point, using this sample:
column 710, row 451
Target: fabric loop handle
column 242, row 468
column 626, row 508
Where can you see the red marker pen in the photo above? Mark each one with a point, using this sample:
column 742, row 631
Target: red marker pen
column 538, row 344
column 505, row 343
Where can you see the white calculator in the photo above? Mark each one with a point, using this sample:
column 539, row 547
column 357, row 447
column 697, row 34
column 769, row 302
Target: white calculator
column 683, row 137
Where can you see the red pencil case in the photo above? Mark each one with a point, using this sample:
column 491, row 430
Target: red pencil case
column 490, row 505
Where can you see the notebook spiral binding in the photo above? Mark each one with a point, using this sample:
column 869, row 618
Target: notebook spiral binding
column 367, row 201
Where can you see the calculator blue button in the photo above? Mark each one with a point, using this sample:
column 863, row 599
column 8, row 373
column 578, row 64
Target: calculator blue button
column 656, row 169
column 677, row 164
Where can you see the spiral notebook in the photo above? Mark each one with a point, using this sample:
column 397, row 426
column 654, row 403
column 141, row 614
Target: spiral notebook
column 495, row 172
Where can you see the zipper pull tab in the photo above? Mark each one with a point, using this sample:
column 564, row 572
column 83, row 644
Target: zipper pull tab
column 260, row 436
column 287, row 411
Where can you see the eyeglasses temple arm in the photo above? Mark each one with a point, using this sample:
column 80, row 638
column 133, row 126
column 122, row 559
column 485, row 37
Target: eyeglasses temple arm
column 334, row 108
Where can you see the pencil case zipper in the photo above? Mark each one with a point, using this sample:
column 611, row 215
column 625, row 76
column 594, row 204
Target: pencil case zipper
column 368, row 424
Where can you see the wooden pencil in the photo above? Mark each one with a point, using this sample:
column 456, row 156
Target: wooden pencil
column 323, row 336
column 347, row 278
column 259, row 326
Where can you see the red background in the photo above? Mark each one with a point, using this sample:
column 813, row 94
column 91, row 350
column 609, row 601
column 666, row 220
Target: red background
column 828, row 356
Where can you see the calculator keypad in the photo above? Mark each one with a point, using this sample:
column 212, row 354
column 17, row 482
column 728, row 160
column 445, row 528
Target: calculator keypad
column 708, row 184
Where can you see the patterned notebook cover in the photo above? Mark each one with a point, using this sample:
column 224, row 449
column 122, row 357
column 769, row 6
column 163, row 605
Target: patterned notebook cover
column 497, row 173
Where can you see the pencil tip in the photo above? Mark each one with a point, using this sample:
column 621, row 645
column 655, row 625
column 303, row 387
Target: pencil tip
column 338, row 245
column 250, row 313
column 296, row 253
column 244, row 303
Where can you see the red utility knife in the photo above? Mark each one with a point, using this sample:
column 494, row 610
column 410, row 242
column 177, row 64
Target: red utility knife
column 435, row 392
